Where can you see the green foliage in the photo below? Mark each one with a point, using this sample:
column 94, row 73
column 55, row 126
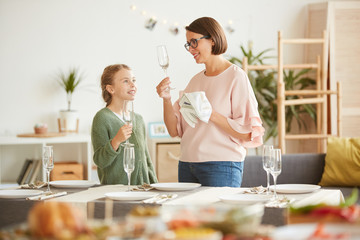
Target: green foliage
column 69, row 83
column 264, row 84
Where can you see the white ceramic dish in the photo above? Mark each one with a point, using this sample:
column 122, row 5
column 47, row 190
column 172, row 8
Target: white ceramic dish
column 295, row 188
column 304, row 231
column 130, row 196
column 245, row 198
column 183, row 186
column 72, row 184
column 19, row 193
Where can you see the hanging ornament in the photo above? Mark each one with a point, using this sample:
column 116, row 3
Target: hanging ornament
column 133, row 7
column 229, row 27
column 174, row 29
column 150, row 23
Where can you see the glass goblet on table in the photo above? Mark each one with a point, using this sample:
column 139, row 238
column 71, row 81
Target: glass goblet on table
column 275, row 167
column 48, row 163
column 266, row 154
column 129, row 161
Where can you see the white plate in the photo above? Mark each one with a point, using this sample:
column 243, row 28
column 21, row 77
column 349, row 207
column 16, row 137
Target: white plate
column 72, row 183
column 245, row 198
column 303, row 231
column 295, row 188
column 130, row 196
column 183, row 186
column 19, row 193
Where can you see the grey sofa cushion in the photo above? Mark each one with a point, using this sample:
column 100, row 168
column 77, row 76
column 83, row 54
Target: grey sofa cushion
column 304, row 168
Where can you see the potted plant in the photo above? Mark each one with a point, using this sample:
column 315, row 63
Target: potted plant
column 68, row 121
column 264, row 83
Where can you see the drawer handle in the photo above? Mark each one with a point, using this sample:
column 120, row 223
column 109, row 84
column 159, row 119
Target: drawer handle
column 173, row 157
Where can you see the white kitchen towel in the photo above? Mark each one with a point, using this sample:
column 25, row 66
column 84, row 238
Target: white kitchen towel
column 188, row 117
column 200, row 104
column 188, row 112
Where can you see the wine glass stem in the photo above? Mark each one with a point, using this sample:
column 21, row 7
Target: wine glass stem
column 275, row 195
column 48, row 180
column 267, row 182
column 165, row 71
column 129, row 177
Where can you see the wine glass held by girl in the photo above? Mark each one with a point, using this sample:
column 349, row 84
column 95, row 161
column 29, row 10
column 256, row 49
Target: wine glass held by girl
column 110, row 130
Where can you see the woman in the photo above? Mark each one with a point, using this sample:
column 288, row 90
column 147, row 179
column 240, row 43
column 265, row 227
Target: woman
column 109, row 131
column 213, row 153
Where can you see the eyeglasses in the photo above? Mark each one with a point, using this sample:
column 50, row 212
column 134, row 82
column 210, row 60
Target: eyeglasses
column 194, row 43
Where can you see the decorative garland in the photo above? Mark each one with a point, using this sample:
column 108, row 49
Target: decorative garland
column 151, row 22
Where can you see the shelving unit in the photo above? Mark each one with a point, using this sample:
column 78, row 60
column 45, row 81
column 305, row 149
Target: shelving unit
column 317, row 96
column 14, row 150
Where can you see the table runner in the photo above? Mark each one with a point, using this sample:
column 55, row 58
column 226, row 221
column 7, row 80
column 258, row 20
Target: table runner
column 204, row 196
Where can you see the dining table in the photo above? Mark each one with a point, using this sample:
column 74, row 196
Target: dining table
column 94, row 204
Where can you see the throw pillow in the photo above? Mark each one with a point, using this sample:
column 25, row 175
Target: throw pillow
column 342, row 162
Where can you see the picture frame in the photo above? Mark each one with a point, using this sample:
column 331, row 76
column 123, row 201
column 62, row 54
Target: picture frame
column 158, row 130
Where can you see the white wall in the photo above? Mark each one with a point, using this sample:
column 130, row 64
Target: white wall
column 38, row 38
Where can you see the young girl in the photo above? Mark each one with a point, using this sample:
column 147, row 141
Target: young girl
column 109, row 131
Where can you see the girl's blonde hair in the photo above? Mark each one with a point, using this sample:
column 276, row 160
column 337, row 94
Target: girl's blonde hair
column 107, row 79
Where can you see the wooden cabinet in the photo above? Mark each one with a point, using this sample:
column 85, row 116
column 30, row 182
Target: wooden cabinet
column 341, row 19
column 165, row 154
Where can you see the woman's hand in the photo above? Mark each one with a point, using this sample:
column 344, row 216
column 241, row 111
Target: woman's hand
column 163, row 89
column 122, row 135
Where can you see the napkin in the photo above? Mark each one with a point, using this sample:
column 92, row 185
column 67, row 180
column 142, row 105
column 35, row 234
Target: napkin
column 256, row 190
column 144, row 187
column 47, row 196
column 36, row 185
column 195, row 105
column 160, row 198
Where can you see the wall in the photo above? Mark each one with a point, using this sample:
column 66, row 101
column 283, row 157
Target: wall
column 41, row 37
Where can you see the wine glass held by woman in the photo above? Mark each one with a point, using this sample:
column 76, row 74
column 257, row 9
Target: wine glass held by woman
column 216, row 149
column 110, row 130
column 163, row 59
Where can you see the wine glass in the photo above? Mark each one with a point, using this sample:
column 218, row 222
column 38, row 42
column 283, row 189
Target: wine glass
column 129, row 161
column 163, row 59
column 48, row 163
column 128, row 114
column 275, row 167
column 266, row 165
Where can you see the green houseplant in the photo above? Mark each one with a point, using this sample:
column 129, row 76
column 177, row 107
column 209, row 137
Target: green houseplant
column 264, row 83
column 69, row 81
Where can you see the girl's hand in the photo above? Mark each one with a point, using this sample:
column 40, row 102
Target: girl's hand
column 124, row 132
column 163, row 89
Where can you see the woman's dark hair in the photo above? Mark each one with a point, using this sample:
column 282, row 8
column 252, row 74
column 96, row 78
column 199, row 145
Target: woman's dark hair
column 208, row 26
column 107, row 79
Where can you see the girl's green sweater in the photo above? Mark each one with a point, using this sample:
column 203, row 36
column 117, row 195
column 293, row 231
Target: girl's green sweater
column 109, row 162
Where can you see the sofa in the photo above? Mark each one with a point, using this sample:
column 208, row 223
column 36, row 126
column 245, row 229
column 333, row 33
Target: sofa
column 305, row 168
